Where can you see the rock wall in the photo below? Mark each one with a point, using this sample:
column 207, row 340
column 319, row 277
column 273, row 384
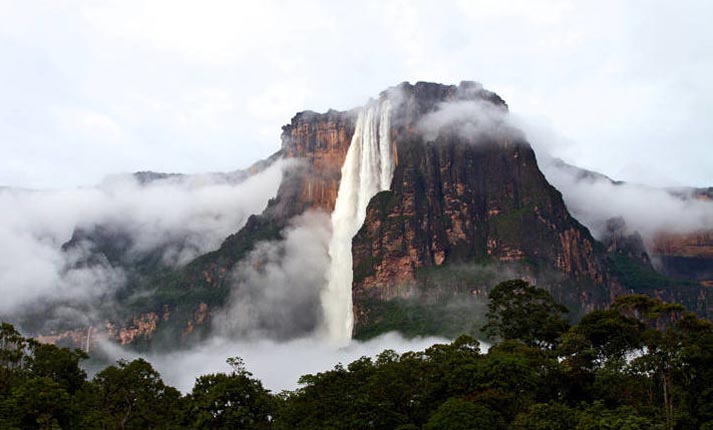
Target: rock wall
column 458, row 200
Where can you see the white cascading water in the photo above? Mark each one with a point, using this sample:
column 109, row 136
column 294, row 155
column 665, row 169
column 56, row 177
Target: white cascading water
column 368, row 168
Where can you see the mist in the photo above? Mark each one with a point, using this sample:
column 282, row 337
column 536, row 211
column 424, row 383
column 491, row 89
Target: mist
column 277, row 364
column 645, row 209
column 592, row 198
column 178, row 216
column 276, row 289
column 470, row 120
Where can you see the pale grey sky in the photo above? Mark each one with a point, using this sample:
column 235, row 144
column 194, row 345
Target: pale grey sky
column 89, row 88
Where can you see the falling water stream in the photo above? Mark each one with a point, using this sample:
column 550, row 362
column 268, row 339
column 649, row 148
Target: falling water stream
column 368, row 168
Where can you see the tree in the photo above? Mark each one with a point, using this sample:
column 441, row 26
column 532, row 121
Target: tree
column 598, row 417
column 131, row 395
column 546, row 416
column 230, row 401
column 40, row 403
column 519, row 311
column 13, row 355
column 458, row 414
column 60, row 365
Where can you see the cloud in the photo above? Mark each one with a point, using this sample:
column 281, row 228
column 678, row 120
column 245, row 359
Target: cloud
column 593, row 198
column 276, row 289
column 277, row 364
column 188, row 86
column 179, row 216
column 649, row 210
column 470, row 120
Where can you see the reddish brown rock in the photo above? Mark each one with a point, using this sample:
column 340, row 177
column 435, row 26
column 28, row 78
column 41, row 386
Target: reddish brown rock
column 81, row 338
column 685, row 256
column 321, row 142
column 143, row 325
column 461, row 200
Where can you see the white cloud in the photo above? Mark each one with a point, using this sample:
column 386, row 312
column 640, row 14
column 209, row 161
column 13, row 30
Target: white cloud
column 276, row 289
column 277, row 364
column 184, row 217
column 207, row 87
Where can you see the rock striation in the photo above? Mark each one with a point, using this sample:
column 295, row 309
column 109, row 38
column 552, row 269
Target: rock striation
column 472, row 197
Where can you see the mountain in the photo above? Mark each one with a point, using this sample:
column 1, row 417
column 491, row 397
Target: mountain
column 443, row 198
column 680, row 248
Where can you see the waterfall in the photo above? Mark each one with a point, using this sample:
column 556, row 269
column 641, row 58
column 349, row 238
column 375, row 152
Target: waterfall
column 368, row 168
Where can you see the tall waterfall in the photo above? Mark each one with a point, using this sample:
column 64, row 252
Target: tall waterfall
column 368, row 168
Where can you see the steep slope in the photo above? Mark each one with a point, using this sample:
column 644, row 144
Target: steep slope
column 469, row 199
column 679, row 243
column 468, row 206
column 183, row 302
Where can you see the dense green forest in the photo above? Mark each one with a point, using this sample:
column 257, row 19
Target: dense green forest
column 641, row 364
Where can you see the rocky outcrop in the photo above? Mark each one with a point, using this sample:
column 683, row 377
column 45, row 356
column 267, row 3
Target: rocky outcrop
column 466, row 191
column 619, row 241
column 317, row 144
column 464, row 199
column 686, row 256
column 320, row 142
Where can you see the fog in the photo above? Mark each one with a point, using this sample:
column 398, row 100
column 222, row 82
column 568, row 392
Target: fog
column 471, row 120
column 277, row 364
column 181, row 217
column 276, row 289
column 591, row 197
column 648, row 210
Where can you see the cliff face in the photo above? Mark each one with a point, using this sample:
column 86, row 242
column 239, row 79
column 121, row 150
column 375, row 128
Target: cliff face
column 686, row 256
column 467, row 200
column 320, row 142
column 460, row 198
column 317, row 144
column 179, row 303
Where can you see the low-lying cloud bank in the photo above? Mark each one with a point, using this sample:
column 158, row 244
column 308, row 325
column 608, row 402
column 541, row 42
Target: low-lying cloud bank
column 277, row 364
column 178, row 216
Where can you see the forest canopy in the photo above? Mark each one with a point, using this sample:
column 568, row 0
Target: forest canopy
column 639, row 364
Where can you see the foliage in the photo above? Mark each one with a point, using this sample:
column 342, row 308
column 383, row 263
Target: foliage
column 518, row 310
column 230, row 401
column 458, row 414
column 131, row 395
column 641, row 364
column 423, row 317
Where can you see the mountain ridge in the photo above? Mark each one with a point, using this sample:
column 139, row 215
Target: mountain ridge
column 476, row 199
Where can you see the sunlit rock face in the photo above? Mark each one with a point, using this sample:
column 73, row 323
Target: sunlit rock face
column 321, row 142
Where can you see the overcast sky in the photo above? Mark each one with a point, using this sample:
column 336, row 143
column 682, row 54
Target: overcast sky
column 89, row 88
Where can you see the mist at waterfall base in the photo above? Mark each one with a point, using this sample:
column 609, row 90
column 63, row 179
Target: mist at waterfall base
column 290, row 313
column 274, row 320
column 278, row 365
